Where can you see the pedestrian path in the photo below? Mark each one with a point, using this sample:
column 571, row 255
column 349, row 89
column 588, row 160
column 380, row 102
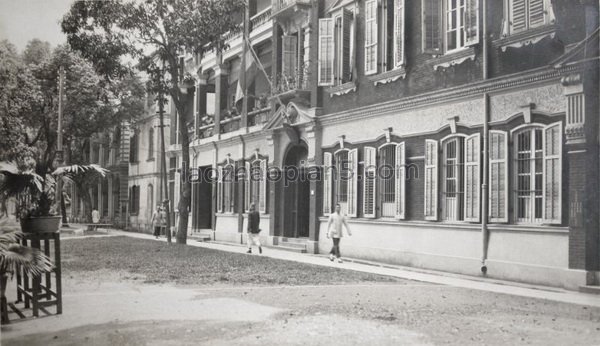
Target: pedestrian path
column 441, row 278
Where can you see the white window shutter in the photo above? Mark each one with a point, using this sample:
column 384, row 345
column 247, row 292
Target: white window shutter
column 517, row 16
column 220, row 189
column 262, row 207
column 498, row 180
column 369, row 182
column 431, row 180
column 552, row 139
column 537, row 16
column 472, row 184
column 472, row 22
column 346, row 59
column 327, row 183
column 352, row 182
column 432, row 26
column 400, row 183
column 326, row 52
column 399, row 33
column 290, row 55
column 247, row 187
column 371, row 37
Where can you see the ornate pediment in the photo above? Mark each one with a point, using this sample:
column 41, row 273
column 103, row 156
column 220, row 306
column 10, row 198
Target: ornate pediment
column 292, row 114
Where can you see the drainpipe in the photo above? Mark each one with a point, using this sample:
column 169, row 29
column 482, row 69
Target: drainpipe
column 485, row 236
column 241, row 196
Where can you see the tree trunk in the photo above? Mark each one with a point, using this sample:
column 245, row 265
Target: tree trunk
column 87, row 202
column 186, row 186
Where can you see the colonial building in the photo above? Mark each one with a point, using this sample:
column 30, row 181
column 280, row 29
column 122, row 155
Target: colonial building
column 458, row 135
column 132, row 189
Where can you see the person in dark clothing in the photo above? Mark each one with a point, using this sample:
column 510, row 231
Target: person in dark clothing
column 253, row 230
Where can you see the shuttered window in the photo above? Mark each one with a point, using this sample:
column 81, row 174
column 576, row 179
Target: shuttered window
column 228, row 184
column 472, row 174
column 327, row 183
column 220, row 189
column 290, row 56
column 498, row 170
column 247, row 186
column 369, row 182
column 387, row 179
column 352, row 176
column 326, row 52
column 461, row 178
column 528, row 14
column 262, row 203
column 343, row 46
column 399, row 19
column 400, row 184
column 449, row 25
column 432, row 24
column 370, row 37
column 553, row 173
column 431, row 179
column 538, row 174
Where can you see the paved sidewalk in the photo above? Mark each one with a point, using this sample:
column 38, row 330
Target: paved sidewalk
column 483, row 284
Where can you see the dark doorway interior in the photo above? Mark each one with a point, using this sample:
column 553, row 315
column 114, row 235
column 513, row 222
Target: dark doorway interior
column 202, row 218
column 296, row 194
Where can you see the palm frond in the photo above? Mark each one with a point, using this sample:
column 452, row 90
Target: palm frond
column 30, row 259
column 14, row 181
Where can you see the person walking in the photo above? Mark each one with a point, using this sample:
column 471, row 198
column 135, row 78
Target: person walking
column 337, row 220
column 156, row 221
column 253, row 230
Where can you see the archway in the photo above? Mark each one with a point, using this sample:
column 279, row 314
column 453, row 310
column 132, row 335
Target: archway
column 296, row 192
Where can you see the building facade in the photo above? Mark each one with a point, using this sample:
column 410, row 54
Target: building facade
column 458, row 135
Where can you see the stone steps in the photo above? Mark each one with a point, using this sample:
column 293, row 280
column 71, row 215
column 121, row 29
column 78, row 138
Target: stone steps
column 593, row 289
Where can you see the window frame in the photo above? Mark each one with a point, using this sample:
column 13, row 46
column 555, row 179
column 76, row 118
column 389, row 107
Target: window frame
column 543, row 219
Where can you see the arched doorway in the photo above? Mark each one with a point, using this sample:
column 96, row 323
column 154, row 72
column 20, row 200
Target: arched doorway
column 296, row 193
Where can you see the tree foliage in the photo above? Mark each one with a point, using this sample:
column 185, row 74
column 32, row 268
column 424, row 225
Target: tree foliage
column 154, row 34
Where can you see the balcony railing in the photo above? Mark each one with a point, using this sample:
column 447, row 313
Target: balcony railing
column 281, row 5
column 206, row 131
column 259, row 116
column 260, row 18
column 231, row 124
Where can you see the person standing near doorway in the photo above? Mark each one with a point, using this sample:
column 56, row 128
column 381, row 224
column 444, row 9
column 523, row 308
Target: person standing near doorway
column 337, row 220
column 253, row 230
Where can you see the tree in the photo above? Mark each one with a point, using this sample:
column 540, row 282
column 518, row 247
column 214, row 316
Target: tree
column 153, row 33
column 84, row 177
column 29, row 105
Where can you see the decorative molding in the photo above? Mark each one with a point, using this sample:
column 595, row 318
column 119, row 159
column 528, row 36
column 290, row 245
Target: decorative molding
column 388, row 76
column 342, row 89
column 525, row 38
column 539, row 75
column 388, row 134
column 341, row 140
column 527, row 112
column 452, row 121
column 451, row 59
column 573, row 84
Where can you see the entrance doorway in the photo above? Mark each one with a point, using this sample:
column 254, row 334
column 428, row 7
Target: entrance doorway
column 202, row 215
column 296, row 193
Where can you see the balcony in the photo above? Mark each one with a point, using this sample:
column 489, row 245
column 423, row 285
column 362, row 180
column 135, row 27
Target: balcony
column 259, row 116
column 260, row 18
column 231, row 124
column 287, row 8
column 288, row 87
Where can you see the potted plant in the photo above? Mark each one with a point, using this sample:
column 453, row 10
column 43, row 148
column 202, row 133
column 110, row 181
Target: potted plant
column 33, row 195
column 14, row 256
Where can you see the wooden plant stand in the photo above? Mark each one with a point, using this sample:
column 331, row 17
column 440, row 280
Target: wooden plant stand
column 37, row 292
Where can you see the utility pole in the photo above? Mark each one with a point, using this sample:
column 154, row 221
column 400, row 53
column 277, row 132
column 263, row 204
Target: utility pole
column 59, row 144
column 163, row 159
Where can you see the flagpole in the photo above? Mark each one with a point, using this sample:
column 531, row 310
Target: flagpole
column 243, row 71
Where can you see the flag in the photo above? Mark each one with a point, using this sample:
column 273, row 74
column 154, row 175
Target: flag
column 250, row 71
